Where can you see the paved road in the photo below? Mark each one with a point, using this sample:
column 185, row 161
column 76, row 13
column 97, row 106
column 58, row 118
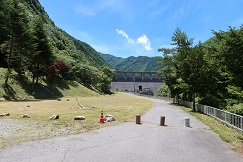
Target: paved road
column 131, row 142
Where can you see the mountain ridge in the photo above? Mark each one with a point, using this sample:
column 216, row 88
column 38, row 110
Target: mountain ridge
column 132, row 63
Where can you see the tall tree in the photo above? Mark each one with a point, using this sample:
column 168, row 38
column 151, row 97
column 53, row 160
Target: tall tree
column 173, row 58
column 4, row 32
column 186, row 68
column 19, row 37
column 43, row 55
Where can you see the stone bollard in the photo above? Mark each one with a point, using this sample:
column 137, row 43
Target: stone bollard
column 187, row 122
column 138, row 119
column 162, row 120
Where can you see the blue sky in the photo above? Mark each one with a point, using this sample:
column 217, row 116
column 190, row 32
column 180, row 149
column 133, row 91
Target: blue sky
column 139, row 27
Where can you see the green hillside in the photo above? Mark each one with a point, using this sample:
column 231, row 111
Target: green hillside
column 140, row 63
column 33, row 47
column 65, row 46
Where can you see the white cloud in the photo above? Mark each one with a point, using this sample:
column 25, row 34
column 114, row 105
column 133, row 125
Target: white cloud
column 122, row 33
column 144, row 41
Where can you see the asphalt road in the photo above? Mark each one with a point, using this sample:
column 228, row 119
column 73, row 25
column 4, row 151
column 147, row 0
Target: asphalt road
column 132, row 142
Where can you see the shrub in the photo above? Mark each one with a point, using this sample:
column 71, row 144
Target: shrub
column 236, row 109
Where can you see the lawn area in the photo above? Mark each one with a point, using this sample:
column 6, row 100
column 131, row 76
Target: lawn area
column 124, row 107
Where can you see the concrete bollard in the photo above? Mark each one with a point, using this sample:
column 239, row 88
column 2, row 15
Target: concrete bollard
column 187, row 122
column 162, row 120
column 138, row 119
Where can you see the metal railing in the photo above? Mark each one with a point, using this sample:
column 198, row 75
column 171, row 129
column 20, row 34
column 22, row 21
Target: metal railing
column 231, row 119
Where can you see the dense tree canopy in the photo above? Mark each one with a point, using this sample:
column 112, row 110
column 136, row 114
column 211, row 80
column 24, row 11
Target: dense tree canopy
column 209, row 72
column 230, row 49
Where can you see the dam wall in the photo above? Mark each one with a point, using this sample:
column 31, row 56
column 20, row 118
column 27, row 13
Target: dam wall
column 131, row 86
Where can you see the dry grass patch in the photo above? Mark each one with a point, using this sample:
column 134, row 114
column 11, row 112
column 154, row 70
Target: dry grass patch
column 38, row 126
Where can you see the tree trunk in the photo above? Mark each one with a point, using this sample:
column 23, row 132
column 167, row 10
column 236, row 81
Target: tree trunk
column 10, row 57
column 193, row 102
column 37, row 73
column 33, row 78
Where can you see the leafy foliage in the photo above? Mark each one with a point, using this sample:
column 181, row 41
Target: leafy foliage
column 210, row 72
column 231, row 51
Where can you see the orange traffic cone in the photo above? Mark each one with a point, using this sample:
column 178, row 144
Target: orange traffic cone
column 102, row 120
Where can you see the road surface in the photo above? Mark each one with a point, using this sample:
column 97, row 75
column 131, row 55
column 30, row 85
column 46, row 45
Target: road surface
column 132, row 142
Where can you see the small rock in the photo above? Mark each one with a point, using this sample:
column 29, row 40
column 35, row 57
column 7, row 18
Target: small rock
column 67, row 100
column 54, row 117
column 71, row 107
column 25, row 116
column 59, row 99
column 79, row 118
column 109, row 118
column 5, row 114
column 28, row 105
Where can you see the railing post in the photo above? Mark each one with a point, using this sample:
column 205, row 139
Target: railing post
column 205, row 109
column 241, row 123
column 231, row 116
column 225, row 118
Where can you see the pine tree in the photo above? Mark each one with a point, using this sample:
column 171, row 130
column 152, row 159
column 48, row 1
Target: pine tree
column 43, row 55
column 20, row 42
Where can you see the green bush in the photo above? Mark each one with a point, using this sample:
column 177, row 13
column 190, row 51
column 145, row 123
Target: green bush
column 163, row 91
column 236, row 109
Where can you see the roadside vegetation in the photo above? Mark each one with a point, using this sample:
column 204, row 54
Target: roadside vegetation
column 226, row 133
column 208, row 73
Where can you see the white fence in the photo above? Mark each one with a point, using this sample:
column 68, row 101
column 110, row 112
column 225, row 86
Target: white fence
column 228, row 118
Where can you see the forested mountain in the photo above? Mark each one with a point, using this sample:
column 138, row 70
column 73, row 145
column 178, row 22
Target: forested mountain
column 30, row 42
column 140, row 63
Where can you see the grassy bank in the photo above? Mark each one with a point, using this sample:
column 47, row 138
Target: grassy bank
column 226, row 133
column 38, row 126
column 21, row 88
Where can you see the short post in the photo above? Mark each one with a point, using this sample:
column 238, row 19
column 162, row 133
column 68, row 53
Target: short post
column 187, row 122
column 138, row 119
column 162, row 120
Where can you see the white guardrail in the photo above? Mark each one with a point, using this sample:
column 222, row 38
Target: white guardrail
column 226, row 117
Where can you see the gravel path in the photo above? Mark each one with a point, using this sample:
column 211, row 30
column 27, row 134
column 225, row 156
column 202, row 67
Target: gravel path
column 131, row 142
column 7, row 126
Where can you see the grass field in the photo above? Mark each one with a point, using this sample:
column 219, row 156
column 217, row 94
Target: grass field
column 38, row 126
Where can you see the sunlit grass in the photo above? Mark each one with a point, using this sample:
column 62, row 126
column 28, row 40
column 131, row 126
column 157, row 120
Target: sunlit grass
column 38, row 126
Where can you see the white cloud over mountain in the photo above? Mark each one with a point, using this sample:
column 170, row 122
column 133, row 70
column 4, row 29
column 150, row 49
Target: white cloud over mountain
column 121, row 32
column 143, row 40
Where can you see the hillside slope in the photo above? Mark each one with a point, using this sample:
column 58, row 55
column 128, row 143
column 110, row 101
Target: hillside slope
column 21, row 89
column 140, row 63
column 65, row 46
column 40, row 60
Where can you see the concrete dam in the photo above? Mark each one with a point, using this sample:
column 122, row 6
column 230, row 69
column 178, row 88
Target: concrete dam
column 138, row 82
